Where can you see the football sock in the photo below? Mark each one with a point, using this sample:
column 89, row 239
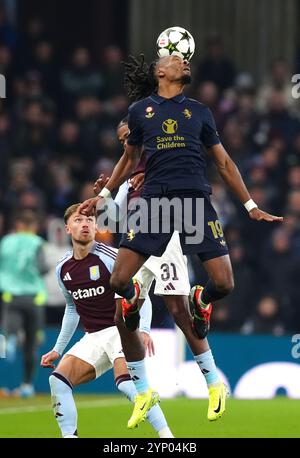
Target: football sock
column 138, row 374
column 63, row 404
column 155, row 415
column 208, row 368
column 210, row 293
column 202, row 304
column 128, row 292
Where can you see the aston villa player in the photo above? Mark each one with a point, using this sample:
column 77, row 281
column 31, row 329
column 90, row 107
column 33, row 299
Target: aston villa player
column 84, row 276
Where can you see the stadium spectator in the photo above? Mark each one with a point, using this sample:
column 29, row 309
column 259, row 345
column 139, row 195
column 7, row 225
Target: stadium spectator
column 8, row 34
column 239, row 304
column 80, row 79
column 215, row 66
column 278, row 79
column 276, row 264
column 113, row 72
column 266, row 320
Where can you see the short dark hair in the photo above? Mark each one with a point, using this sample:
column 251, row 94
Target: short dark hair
column 123, row 122
column 70, row 211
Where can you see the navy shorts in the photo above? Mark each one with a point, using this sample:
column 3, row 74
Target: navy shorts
column 193, row 216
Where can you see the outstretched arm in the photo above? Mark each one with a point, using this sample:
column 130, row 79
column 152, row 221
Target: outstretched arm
column 232, row 177
column 117, row 207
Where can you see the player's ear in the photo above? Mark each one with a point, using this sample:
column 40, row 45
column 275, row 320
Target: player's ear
column 68, row 230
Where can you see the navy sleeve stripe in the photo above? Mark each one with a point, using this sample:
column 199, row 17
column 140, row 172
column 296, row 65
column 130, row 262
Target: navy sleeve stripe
column 108, row 250
column 99, row 247
column 114, row 257
column 110, row 255
column 105, row 249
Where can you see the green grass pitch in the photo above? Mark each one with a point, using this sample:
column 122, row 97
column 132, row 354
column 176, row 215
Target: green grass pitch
column 107, row 417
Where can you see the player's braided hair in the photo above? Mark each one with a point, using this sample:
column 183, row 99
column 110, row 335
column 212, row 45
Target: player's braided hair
column 139, row 78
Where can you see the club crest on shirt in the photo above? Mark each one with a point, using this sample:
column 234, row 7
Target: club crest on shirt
column 130, row 235
column 94, row 273
column 187, row 113
column 149, row 112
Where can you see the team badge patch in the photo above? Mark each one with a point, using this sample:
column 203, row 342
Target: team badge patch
column 94, row 273
column 130, row 235
column 149, row 112
column 187, row 113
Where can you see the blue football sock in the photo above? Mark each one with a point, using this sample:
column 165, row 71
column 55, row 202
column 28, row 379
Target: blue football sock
column 155, row 415
column 138, row 374
column 208, row 368
column 63, row 404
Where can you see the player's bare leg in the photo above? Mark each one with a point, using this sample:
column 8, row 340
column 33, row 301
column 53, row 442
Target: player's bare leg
column 127, row 264
column 134, row 352
column 124, row 383
column 220, row 284
column 178, row 307
column 221, row 275
column 132, row 344
column 70, row 372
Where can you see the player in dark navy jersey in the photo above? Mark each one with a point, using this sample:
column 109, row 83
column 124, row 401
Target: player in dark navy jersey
column 83, row 275
column 170, row 274
column 175, row 132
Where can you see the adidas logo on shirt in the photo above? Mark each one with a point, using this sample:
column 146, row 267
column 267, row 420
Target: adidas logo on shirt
column 67, row 277
column 169, row 287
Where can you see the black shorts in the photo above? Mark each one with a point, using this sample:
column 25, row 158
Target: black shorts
column 22, row 314
column 195, row 219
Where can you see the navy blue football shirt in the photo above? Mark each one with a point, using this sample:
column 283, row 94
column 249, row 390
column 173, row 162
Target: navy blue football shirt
column 173, row 133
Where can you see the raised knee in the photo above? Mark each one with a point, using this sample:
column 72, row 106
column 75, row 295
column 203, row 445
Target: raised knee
column 116, row 283
column 52, row 382
column 225, row 285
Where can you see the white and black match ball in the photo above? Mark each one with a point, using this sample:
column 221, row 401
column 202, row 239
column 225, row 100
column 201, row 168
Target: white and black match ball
column 177, row 41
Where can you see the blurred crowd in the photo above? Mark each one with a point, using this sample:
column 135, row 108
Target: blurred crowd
column 57, row 133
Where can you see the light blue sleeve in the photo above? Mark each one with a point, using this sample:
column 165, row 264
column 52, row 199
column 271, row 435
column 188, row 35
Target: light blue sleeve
column 116, row 208
column 146, row 315
column 70, row 319
column 121, row 197
column 68, row 327
column 107, row 254
column 67, row 295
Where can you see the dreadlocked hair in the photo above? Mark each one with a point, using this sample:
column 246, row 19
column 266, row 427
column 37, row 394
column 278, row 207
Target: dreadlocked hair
column 139, row 79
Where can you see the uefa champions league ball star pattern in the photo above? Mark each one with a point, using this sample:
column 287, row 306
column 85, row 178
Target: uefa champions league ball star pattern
column 177, row 41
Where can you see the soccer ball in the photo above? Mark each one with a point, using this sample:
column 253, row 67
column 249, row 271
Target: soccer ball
column 177, row 41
